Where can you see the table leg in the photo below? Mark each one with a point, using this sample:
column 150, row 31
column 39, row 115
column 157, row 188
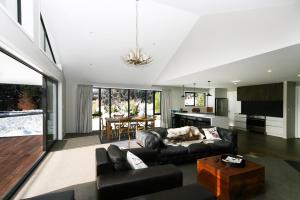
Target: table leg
column 109, row 130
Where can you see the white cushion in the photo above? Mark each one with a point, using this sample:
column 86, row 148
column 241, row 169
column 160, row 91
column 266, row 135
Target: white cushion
column 195, row 131
column 175, row 132
column 134, row 161
column 211, row 133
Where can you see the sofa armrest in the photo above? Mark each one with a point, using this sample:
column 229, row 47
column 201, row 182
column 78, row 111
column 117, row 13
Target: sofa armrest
column 147, row 139
column 125, row 184
column 103, row 164
column 230, row 136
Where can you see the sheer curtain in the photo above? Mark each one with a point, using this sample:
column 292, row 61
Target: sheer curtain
column 84, row 108
column 165, row 120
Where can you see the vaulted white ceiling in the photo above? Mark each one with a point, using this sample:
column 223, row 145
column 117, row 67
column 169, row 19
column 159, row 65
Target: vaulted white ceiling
column 190, row 40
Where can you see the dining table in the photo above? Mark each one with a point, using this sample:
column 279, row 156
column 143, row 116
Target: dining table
column 111, row 120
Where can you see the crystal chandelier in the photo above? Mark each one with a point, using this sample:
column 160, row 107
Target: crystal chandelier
column 137, row 57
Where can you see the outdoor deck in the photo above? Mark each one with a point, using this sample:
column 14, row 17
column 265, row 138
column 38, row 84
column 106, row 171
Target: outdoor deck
column 17, row 156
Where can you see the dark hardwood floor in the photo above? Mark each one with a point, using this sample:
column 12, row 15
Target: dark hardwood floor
column 263, row 145
column 17, row 156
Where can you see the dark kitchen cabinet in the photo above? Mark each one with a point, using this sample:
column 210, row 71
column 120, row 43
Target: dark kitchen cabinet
column 266, row 92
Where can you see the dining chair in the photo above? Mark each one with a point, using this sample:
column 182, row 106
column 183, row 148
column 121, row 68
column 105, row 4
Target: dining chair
column 103, row 128
column 124, row 127
column 140, row 124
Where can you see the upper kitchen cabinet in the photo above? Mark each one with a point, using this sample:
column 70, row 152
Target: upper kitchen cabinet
column 266, row 92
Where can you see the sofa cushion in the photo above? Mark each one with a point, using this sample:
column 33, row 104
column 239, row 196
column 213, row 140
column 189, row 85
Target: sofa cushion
column 199, row 148
column 135, row 162
column 191, row 192
column 117, row 157
column 163, row 132
column 220, row 146
column 173, row 151
column 211, row 133
column 149, row 139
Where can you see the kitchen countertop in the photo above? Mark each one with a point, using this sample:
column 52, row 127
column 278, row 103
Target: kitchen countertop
column 209, row 116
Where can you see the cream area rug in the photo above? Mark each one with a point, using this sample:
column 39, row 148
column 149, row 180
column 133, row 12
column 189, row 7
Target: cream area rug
column 68, row 168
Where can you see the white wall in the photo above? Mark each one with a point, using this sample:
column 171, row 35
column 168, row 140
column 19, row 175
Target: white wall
column 15, row 39
column 297, row 127
column 234, row 106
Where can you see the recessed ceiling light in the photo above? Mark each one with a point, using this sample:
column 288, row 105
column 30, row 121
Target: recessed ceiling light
column 298, row 75
column 236, row 82
column 269, row 70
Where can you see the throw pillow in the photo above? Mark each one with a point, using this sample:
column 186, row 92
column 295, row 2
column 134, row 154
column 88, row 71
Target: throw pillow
column 211, row 133
column 135, row 162
column 176, row 132
column 117, row 157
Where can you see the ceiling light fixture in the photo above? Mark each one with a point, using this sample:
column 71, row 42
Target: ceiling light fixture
column 269, row 70
column 195, row 94
column 236, row 82
column 298, row 75
column 208, row 94
column 136, row 57
column 183, row 94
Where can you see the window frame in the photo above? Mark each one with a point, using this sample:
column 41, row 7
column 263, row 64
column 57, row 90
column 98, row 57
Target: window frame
column 46, row 39
column 194, row 97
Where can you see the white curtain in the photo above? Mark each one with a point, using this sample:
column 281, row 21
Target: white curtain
column 84, row 108
column 165, row 120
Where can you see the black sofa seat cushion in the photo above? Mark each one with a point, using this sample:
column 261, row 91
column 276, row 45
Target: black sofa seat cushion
column 125, row 184
column 66, row 195
column 199, row 149
column 173, row 151
column 190, row 192
column 220, row 146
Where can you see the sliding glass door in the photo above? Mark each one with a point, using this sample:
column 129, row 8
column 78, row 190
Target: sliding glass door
column 28, row 120
column 51, row 112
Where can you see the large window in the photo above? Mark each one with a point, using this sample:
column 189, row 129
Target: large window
column 22, row 12
column 125, row 102
column 195, row 99
column 119, row 102
column 28, row 119
column 137, row 103
column 45, row 42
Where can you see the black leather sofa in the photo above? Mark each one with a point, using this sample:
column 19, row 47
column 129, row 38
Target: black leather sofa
column 115, row 181
column 156, row 151
column 190, row 192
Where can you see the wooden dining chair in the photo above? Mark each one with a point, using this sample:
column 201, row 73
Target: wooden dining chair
column 124, row 126
column 140, row 124
column 103, row 128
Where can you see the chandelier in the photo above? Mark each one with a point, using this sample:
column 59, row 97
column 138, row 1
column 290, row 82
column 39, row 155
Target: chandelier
column 137, row 57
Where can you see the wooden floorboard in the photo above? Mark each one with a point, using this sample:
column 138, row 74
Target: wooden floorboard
column 17, row 156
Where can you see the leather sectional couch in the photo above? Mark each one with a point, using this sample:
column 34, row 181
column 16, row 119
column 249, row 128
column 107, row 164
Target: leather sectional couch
column 115, row 181
column 155, row 150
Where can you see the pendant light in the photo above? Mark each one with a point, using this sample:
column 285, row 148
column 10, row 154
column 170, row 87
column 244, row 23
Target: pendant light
column 195, row 94
column 183, row 94
column 208, row 94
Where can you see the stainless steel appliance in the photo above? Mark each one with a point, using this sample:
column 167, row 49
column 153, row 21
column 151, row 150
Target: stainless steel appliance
column 221, row 107
column 256, row 123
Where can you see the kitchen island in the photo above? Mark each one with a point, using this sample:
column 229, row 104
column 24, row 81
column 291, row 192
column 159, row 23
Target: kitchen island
column 199, row 120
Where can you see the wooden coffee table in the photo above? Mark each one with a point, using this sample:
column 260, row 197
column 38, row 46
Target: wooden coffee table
column 230, row 183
